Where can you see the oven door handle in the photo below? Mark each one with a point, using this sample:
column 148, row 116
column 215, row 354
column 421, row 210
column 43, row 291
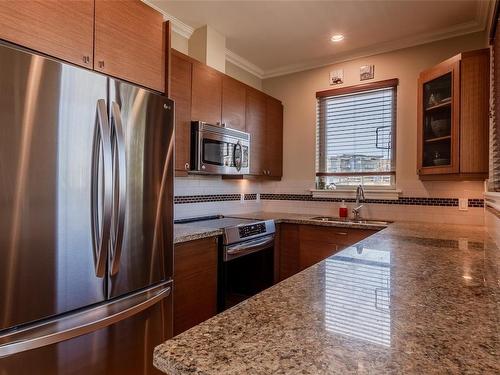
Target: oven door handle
column 247, row 247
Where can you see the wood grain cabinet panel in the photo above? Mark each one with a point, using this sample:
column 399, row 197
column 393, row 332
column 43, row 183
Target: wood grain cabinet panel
column 63, row 29
column 130, row 42
column 302, row 246
column 180, row 92
column 256, row 126
column 274, row 137
column 206, row 95
column 289, row 258
column 233, row 103
column 195, row 283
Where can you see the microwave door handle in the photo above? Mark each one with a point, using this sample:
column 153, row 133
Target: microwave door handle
column 101, row 189
column 120, row 181
column 237, row 156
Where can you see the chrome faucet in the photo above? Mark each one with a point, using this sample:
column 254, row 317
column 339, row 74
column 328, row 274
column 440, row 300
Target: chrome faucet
column 360, row 195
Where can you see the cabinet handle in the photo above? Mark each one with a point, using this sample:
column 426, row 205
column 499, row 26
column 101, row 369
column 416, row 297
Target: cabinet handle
column 186, row 166
column 86, row 59
column 341, row 233
column 101, row 64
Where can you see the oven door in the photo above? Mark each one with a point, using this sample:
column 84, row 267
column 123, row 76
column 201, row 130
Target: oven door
column 221, row 154
column 247, row 269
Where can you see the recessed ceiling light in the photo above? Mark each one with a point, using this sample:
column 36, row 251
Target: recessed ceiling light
column 337, row 38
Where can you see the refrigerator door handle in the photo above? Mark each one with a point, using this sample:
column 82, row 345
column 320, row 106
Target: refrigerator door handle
column 82, row 322
column 101, row 188
column 120, row 186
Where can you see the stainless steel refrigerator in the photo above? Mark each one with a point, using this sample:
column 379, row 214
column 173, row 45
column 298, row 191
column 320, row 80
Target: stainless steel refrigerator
column 86, row 205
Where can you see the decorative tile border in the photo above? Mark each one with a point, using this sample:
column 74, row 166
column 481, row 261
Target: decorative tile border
column 183, row 199
column 405, row 201
column 476, row 203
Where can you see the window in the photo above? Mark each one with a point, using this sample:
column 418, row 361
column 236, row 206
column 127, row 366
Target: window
column 356, row 133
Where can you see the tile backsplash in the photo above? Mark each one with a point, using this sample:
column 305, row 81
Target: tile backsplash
column 208, row 195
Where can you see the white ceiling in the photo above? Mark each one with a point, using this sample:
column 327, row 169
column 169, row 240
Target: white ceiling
column 278, row 37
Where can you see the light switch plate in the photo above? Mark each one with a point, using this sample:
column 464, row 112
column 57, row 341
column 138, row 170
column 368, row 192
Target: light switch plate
column 463, row 204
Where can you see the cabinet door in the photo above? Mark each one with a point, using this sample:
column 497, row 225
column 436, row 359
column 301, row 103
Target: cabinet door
column 206, row 95
column 195, row 283
column 180, row 92
column 256, row 126
column 130, row 42
column 233, row 103
column 274, row 135
column 63, row 29
column 439, row 119
column 289, row 250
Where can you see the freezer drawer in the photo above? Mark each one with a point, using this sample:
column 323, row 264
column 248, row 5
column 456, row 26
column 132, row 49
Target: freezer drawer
column 124, row 347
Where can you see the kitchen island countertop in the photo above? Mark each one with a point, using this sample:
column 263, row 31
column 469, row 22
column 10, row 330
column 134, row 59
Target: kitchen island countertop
column 413, row 298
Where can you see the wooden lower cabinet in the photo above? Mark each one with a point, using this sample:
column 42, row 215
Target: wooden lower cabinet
column 301, row 246
column 195, row 283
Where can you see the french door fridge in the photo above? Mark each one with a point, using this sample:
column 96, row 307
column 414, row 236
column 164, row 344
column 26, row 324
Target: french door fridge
column 86, row 205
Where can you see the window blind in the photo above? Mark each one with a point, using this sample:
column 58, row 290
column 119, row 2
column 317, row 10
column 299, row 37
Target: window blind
column 356, row 136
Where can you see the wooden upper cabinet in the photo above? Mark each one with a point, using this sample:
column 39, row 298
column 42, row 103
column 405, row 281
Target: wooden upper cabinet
column 256, row 126
column 63, row 29
column 274, row 137
column 180, row 91
column 206, row 97
column 130, row 42
column 233, row 103
column 453, row 119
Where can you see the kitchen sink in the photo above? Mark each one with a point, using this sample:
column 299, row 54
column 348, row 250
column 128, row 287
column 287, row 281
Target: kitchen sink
column 338, row 220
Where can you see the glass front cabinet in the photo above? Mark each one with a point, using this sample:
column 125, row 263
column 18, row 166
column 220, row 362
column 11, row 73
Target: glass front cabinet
column 453, row 101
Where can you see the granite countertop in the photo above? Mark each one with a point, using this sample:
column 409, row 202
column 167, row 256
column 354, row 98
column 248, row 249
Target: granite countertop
column 413, row 298
column 193, row 231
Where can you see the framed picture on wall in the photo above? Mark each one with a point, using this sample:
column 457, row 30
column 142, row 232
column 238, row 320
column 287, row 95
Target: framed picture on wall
column 366, row 72
column 337, row 77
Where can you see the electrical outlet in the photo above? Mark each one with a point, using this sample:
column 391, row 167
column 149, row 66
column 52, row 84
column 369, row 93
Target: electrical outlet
column 242, row 198
column 463, row 244
column 258, row 197
column 463, row 204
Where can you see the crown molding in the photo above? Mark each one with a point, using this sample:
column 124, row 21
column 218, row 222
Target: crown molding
column 457, row 30
column 178, row 26
column 243, row 63
column 484, row 13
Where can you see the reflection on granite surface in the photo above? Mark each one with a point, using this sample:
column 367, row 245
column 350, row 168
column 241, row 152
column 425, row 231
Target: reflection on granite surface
column 411, row 299
column 357, row 294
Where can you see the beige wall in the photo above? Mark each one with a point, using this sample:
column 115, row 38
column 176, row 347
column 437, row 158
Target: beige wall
column 243, row 75
column 181, row 44
column 297, row 92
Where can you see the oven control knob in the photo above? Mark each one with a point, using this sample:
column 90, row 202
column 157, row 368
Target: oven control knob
column 203, row 166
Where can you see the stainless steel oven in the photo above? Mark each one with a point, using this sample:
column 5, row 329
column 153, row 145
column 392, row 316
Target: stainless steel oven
column 246, row 264
column 219, row 150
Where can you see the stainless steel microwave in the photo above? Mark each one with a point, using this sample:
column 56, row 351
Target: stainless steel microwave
column 219, row 150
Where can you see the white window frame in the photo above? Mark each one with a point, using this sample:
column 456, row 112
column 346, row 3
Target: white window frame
column 373, row 191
